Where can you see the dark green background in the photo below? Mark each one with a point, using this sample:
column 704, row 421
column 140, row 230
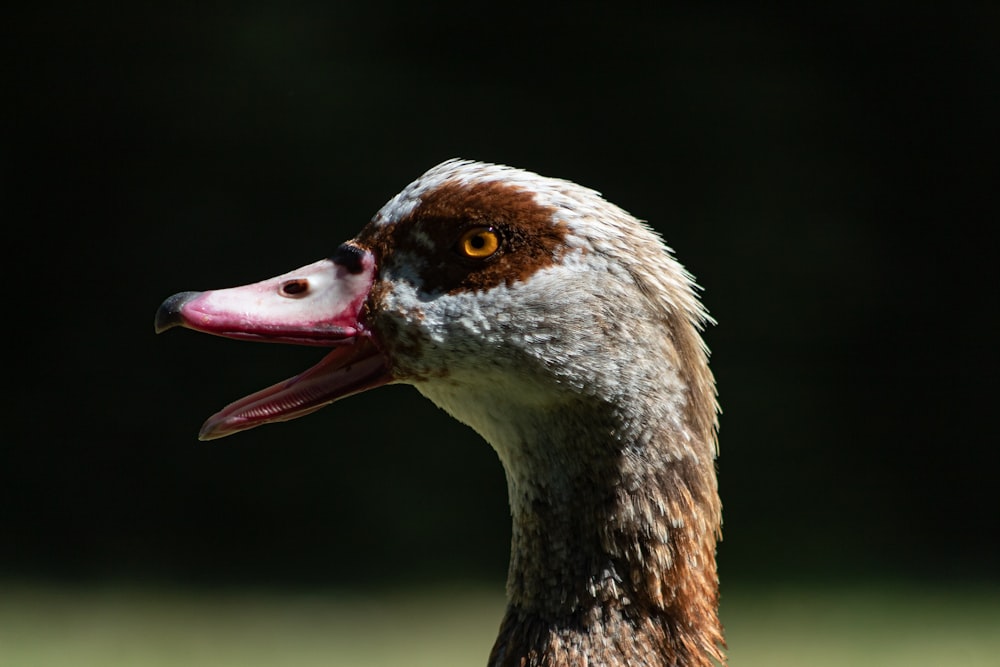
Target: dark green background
column 828, row 175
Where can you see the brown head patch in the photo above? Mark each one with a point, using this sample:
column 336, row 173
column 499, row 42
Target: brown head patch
column 530, row 237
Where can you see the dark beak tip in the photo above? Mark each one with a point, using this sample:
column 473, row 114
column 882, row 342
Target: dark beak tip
column 169, row 315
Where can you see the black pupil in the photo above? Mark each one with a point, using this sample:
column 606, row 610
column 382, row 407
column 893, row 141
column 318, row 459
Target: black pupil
column 478, row 241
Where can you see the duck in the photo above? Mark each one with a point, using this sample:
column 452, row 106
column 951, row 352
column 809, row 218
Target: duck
column 563, row 331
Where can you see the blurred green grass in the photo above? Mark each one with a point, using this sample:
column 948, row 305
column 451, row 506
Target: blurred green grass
column 45, row 625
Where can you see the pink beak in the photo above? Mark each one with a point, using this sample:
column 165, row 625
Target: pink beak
column 321, row 305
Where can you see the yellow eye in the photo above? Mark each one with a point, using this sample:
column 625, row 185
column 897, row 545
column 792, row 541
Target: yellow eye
column 479, row 242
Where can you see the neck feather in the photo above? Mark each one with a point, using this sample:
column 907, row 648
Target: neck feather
column 616, row 516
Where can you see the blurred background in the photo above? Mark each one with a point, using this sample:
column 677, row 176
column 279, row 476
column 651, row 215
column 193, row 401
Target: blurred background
column 828, row 175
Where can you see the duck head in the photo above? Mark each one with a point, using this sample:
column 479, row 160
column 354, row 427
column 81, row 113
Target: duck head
column 479, row 284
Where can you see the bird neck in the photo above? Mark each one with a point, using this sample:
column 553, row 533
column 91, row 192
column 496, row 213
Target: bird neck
column 613, row 542
column 611, row 479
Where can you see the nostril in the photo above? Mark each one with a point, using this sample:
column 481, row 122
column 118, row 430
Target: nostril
column 296, row 287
